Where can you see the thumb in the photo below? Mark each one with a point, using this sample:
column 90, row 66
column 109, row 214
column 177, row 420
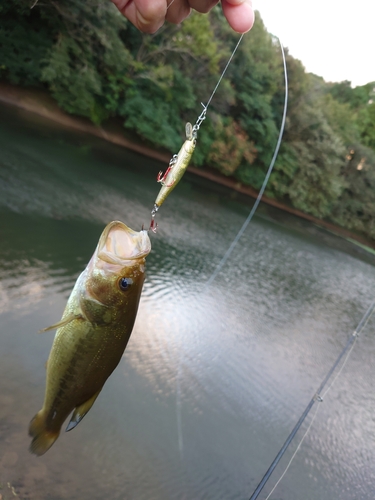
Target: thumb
column 239, row 14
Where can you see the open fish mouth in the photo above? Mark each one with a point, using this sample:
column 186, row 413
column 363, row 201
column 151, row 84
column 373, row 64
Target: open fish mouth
column 119, row 243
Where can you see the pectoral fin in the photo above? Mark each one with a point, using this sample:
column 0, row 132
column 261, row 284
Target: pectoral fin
column 81, row 411
column 61, row 323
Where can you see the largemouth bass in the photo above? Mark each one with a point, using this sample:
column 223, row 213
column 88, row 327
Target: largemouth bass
column 93, row 332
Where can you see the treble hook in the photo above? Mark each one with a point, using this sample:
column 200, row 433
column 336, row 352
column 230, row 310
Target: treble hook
column 153, row 226
column 162, row 177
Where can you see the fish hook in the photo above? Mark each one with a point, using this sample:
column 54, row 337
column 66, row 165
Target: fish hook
column 161, row 177
column 153, row 224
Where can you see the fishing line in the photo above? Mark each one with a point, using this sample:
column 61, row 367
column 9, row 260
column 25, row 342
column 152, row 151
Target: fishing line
column 347, row 349
column 244, row 226
column 265, row 182
column 170, row 4
column 195, row 129
column 221, row 76
column 317, row 397
column 179, row 162
column 224, row 70
column 202, row 116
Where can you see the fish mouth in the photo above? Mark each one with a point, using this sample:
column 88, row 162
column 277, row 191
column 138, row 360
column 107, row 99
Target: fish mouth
column 119, row 243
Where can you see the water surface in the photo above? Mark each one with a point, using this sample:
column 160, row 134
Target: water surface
column 213, row 379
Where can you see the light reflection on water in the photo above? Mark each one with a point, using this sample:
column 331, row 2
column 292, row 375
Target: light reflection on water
column 213, row 378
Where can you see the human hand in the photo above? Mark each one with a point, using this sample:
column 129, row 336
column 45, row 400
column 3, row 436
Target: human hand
column 149, row 15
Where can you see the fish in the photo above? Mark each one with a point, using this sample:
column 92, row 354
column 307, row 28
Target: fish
column 93, row 333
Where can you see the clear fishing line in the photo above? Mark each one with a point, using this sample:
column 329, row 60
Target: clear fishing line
column 241, row 230
column 202, row 116
column 196, row 127
column 170, row 4
column 224, row 70
column 351, row 342
column 179, row 162
column 265, row 182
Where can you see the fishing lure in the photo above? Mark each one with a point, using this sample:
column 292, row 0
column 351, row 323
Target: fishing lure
column 179, row 163
column 177, row 166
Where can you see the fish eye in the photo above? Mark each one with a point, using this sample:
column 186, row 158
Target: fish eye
column 125, row 283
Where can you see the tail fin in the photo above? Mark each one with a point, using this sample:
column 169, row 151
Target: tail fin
column 42, row 438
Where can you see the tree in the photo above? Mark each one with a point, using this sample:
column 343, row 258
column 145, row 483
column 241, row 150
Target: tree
column 355, row 208
column 366, row 124
column 255, row 73
column 26, row 37
column 98, row 65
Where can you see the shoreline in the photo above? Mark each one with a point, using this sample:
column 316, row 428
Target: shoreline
column 39, row 102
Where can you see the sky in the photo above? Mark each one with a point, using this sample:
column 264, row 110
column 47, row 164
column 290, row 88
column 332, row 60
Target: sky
column 334, row 39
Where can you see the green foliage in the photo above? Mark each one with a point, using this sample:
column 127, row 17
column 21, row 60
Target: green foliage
column 286, row 166
column 317, row 184
column 147, row 118
column 366, row 123
column 96, row 64
column 361, row 101
column 355, row 97
column 87, row 52
column 25, row 39
column 355, row 208
column 256, row 74
column 75, row 95
column 196, row 37
column 341, row 118
column 231, row 148
column 308, row 170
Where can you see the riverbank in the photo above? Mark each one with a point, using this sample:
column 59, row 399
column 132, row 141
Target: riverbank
column 39, row 102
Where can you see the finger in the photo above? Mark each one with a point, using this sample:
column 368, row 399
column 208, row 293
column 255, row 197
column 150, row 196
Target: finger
column 178, row 11
column 203, row 6
column 145, row 15
column 239, row 14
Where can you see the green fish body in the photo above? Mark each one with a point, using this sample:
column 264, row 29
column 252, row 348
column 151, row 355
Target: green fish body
column 93, row 332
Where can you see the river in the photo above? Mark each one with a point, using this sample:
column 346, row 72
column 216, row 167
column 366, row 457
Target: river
column 213, row 378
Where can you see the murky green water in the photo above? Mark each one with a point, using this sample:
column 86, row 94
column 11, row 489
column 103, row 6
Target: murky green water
column 212, row 381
